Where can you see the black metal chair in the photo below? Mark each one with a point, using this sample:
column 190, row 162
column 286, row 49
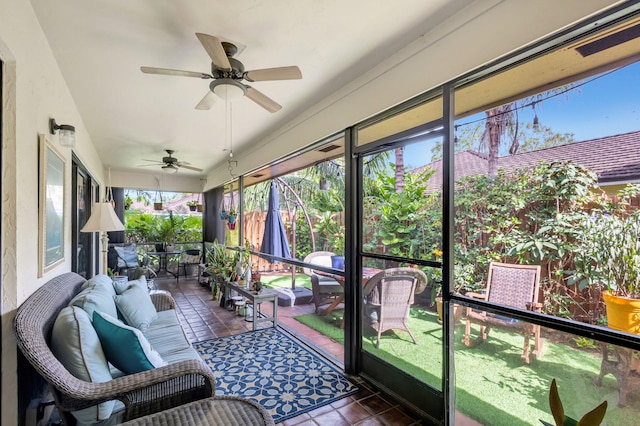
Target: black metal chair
column 191, row 258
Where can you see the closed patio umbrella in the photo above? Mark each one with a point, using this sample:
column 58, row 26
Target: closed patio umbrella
column 274, row 241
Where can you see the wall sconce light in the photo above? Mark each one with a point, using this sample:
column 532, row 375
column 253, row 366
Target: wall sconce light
column 67, row 133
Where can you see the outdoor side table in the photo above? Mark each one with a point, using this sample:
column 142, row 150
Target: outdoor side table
column 257, row 298
column 163, row 260
column 220, row 410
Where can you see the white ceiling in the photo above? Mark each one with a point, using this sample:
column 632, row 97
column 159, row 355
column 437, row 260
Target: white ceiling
column 130, row 116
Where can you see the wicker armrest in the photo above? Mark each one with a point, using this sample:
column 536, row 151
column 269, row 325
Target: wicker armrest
column 162, row 300
column 143, row 393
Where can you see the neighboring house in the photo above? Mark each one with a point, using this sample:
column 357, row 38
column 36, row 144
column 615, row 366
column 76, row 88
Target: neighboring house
column 615, row 159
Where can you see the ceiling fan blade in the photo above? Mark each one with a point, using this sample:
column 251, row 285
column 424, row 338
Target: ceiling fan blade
column 267, row 74
column 263, row 100
column 153, row 161
column 181, row 73
column 214, row 48
column 207, row 102
column 195, row 169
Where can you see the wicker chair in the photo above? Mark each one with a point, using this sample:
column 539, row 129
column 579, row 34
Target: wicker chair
column 325, row 289
column 388, row 297
column 510, row 285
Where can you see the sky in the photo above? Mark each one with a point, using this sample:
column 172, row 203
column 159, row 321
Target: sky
column 604, row 105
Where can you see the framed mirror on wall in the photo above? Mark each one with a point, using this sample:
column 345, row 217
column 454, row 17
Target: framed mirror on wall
column 51, row 215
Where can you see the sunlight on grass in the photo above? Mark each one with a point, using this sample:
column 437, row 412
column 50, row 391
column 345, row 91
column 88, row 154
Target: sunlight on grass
column 284, row 281
column 493, row 384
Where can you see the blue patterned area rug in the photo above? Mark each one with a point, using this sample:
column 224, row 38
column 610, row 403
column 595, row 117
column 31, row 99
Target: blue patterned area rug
column 276, row 371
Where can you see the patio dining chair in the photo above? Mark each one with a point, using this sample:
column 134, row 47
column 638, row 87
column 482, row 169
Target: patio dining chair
column 510, row 285
column 189, row 258
column 388, row 297
column 325, row 289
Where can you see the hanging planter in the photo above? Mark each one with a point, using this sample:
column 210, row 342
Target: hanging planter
column 223, row 215
column 231, row 218
column 232, row 225
column 200, row 208
column 157, row 205
column 325, row 184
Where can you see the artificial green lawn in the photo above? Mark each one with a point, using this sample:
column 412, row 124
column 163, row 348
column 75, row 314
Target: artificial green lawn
column 493, row 384
column 284, row 281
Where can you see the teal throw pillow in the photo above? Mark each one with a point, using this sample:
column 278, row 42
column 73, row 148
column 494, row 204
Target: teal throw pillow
column 125, row 347
column 76, row 345
column 136, row 307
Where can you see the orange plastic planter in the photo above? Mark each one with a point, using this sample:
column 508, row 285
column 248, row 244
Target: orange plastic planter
column 623, row 313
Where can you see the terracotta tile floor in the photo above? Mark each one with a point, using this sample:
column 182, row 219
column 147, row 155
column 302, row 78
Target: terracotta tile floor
column 204, row 319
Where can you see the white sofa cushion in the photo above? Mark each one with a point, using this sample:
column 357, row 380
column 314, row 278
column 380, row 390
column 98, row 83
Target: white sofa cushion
column 136, row 307
column 96, row 298
column 75, row 343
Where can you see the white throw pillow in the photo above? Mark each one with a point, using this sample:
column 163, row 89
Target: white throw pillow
column 75, row 343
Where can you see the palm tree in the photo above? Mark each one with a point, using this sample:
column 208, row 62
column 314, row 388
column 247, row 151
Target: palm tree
column 498, row 121
column 399, row 153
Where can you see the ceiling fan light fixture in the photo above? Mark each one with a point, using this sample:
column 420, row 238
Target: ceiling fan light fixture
column 227, row 88
column 169, row 168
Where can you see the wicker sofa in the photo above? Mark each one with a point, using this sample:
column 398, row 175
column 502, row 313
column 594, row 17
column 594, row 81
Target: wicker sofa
column 184, row 379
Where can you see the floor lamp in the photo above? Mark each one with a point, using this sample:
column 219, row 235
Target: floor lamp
column 103, row 219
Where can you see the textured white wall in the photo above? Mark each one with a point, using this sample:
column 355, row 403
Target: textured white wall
column 33, row 91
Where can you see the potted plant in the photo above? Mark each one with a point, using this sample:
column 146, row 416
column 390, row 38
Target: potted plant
column 609, row 256
column 231, row 216
column 168, row 230
column 324, row 184
column 192, row 205
column 463, row 278
column 221, row 264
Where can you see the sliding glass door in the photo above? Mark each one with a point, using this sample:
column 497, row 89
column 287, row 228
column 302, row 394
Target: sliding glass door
column 398, row 268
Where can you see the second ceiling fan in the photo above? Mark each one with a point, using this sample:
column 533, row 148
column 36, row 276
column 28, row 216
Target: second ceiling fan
column 228, row 74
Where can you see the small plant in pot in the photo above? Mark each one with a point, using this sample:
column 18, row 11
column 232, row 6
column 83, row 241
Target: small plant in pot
column 221, row 264
column 609, row 257
column 231, row 216
column 192, row 205
column 463, row 276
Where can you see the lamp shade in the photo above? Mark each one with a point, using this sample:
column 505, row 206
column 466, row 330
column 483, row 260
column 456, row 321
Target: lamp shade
column 67, row 135
column 103, row 218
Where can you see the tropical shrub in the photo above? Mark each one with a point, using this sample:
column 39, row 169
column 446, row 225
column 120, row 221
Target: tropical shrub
column 141, row 227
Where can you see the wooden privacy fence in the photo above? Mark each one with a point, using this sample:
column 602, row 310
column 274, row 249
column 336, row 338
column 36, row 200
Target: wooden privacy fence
column 254, row 223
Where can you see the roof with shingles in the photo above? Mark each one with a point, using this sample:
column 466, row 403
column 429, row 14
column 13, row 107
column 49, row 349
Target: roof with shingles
column 615, row 159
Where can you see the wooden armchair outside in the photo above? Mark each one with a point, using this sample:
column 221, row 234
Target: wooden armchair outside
column 508, row 285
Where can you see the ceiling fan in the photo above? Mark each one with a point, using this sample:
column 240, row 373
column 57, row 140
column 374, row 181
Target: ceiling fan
column 228, row 73
column 171, row 164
